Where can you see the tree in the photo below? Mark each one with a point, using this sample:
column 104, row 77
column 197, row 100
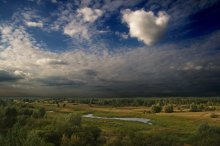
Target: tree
column 194, row 108
column 168, row 108
column 156, row 108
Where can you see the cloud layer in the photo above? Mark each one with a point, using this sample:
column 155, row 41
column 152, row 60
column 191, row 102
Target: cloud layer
column 168, row 70
column 93, row 63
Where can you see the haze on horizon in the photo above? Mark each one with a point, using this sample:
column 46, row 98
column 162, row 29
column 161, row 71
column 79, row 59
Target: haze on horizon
column 105, row 48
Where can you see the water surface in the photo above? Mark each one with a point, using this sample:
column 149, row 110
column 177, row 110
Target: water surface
column 142, row 120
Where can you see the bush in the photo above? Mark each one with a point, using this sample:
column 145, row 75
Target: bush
column 213, row 115
column 26, row 111
column 75, row 134
column 156, row 108
column 15, row 136
column 194, row 108
column 168, row 108
column 35, row 114
column 74, row 120
column 207, row 136
column 210, row 108
column 40, row 113
column 51, row 136
column 34, row 139
column 9, row 118
column 10, row 112
column 128, row 139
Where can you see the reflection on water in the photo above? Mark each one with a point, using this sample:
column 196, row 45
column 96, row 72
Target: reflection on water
column 142, row 120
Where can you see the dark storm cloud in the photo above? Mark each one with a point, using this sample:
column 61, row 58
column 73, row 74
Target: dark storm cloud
column 57, row 81
column 178, row 83
column 8, row 77
column 90, row 72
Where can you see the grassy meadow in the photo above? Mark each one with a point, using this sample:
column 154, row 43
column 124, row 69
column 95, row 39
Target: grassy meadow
column 54, row 122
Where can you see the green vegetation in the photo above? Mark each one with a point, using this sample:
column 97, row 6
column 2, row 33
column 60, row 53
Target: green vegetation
column 168, row 108
column 207, row 135
column 183, row 121
column 213, row 115
column 156, row 108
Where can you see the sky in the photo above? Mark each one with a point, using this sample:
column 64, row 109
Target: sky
column 109, row 48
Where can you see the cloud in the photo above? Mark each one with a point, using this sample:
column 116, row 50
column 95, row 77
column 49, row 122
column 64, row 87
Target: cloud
column 145, row 26
column 73, row 28
column 122, row 35
column 48, row 61
column 78, row 23
column 167, row 70
column 54, row 1
column 61, row 81
column 6, row 30
column 171, row 69
column 81, row 23
column 89, row 15
column 191, row 66
column 112, row 6
column 34, row 24
column 6, row 76
column 22, row 74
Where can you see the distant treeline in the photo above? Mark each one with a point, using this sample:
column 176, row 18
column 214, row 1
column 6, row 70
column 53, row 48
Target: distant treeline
column 120, row 102
column 209, row 101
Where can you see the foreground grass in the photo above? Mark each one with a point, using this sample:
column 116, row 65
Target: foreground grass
column 181, row 125
column 62, row 125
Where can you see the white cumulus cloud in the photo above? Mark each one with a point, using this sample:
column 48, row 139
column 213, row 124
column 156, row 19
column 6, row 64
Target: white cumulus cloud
column 145, row 26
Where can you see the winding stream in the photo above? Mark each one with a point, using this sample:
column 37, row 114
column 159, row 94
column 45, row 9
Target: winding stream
column 142, row 120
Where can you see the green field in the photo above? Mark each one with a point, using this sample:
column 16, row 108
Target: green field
column 62, row 124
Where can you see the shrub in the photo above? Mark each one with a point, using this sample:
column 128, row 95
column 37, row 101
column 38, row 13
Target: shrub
column 41, row 112
column 35, row 114
column 15, row 136
column 210, row 108
column 2, row 103
column 26, row 111
column 51, row 136
column 168, row 108
column 64, row 105
column 207, row 136
column 9, row 118
column 156, row 108
column 213, row 115
column 74, row 120
column 34, row 139
column 194, row 108
column 10, row 112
